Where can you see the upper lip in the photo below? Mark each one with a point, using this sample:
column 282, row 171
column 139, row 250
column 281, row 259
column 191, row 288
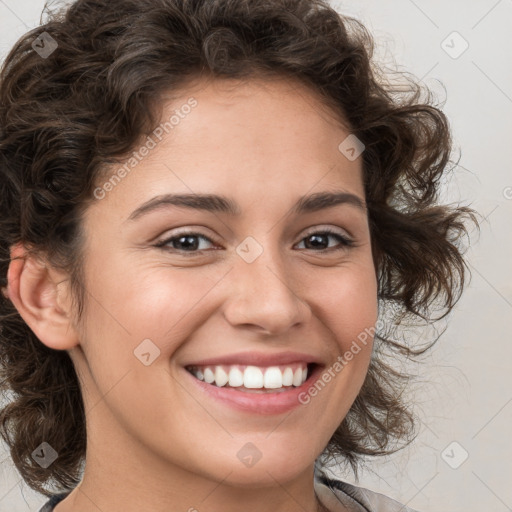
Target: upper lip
column 257, row 359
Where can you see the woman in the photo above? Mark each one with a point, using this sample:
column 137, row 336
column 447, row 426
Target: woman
column 206, row 207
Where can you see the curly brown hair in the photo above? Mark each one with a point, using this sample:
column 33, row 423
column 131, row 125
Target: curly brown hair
column 66, row 117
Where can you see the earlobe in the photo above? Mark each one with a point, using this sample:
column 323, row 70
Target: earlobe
column 33, row 288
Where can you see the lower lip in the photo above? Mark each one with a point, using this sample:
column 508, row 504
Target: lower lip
column 260, row 403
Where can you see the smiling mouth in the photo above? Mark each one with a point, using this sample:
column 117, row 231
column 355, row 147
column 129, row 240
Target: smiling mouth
column 254, row 379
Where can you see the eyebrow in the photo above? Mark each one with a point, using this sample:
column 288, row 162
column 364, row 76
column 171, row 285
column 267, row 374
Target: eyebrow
column 222, row 204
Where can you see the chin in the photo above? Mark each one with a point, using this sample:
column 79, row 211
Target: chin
column 263, row 462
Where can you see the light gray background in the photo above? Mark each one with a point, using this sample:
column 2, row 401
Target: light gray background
column 466, row 395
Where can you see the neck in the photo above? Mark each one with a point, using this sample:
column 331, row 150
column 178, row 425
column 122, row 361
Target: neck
column 134, row 479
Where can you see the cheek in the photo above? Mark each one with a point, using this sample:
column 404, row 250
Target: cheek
column 138, row 300
column 133, row 301
column 166, row 304
column 346, row 300
column 347, row 310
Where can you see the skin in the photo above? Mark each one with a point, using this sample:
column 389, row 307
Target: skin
column 154, row 442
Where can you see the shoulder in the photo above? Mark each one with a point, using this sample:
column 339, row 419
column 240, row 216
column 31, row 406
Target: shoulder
column 336, row 494
column 50, row 504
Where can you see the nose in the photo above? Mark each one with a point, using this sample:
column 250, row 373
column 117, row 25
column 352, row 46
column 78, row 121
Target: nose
column 263, row 297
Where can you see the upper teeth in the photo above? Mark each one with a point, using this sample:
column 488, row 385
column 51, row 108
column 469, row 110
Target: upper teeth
column 252, row 377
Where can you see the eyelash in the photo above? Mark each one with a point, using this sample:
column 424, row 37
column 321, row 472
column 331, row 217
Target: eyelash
column 345, row 242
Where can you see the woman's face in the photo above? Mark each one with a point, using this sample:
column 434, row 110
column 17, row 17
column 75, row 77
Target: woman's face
column 179, row 286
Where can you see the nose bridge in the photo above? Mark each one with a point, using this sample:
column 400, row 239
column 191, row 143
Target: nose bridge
column 263, row 294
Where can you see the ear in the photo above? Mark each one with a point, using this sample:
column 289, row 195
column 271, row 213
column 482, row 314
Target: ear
column 41, row 296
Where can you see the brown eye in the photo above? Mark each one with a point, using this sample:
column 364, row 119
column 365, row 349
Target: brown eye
column 184, row 242
column 319, row 240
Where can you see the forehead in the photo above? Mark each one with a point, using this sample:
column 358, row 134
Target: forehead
column 256, row 103
column 253, row 139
